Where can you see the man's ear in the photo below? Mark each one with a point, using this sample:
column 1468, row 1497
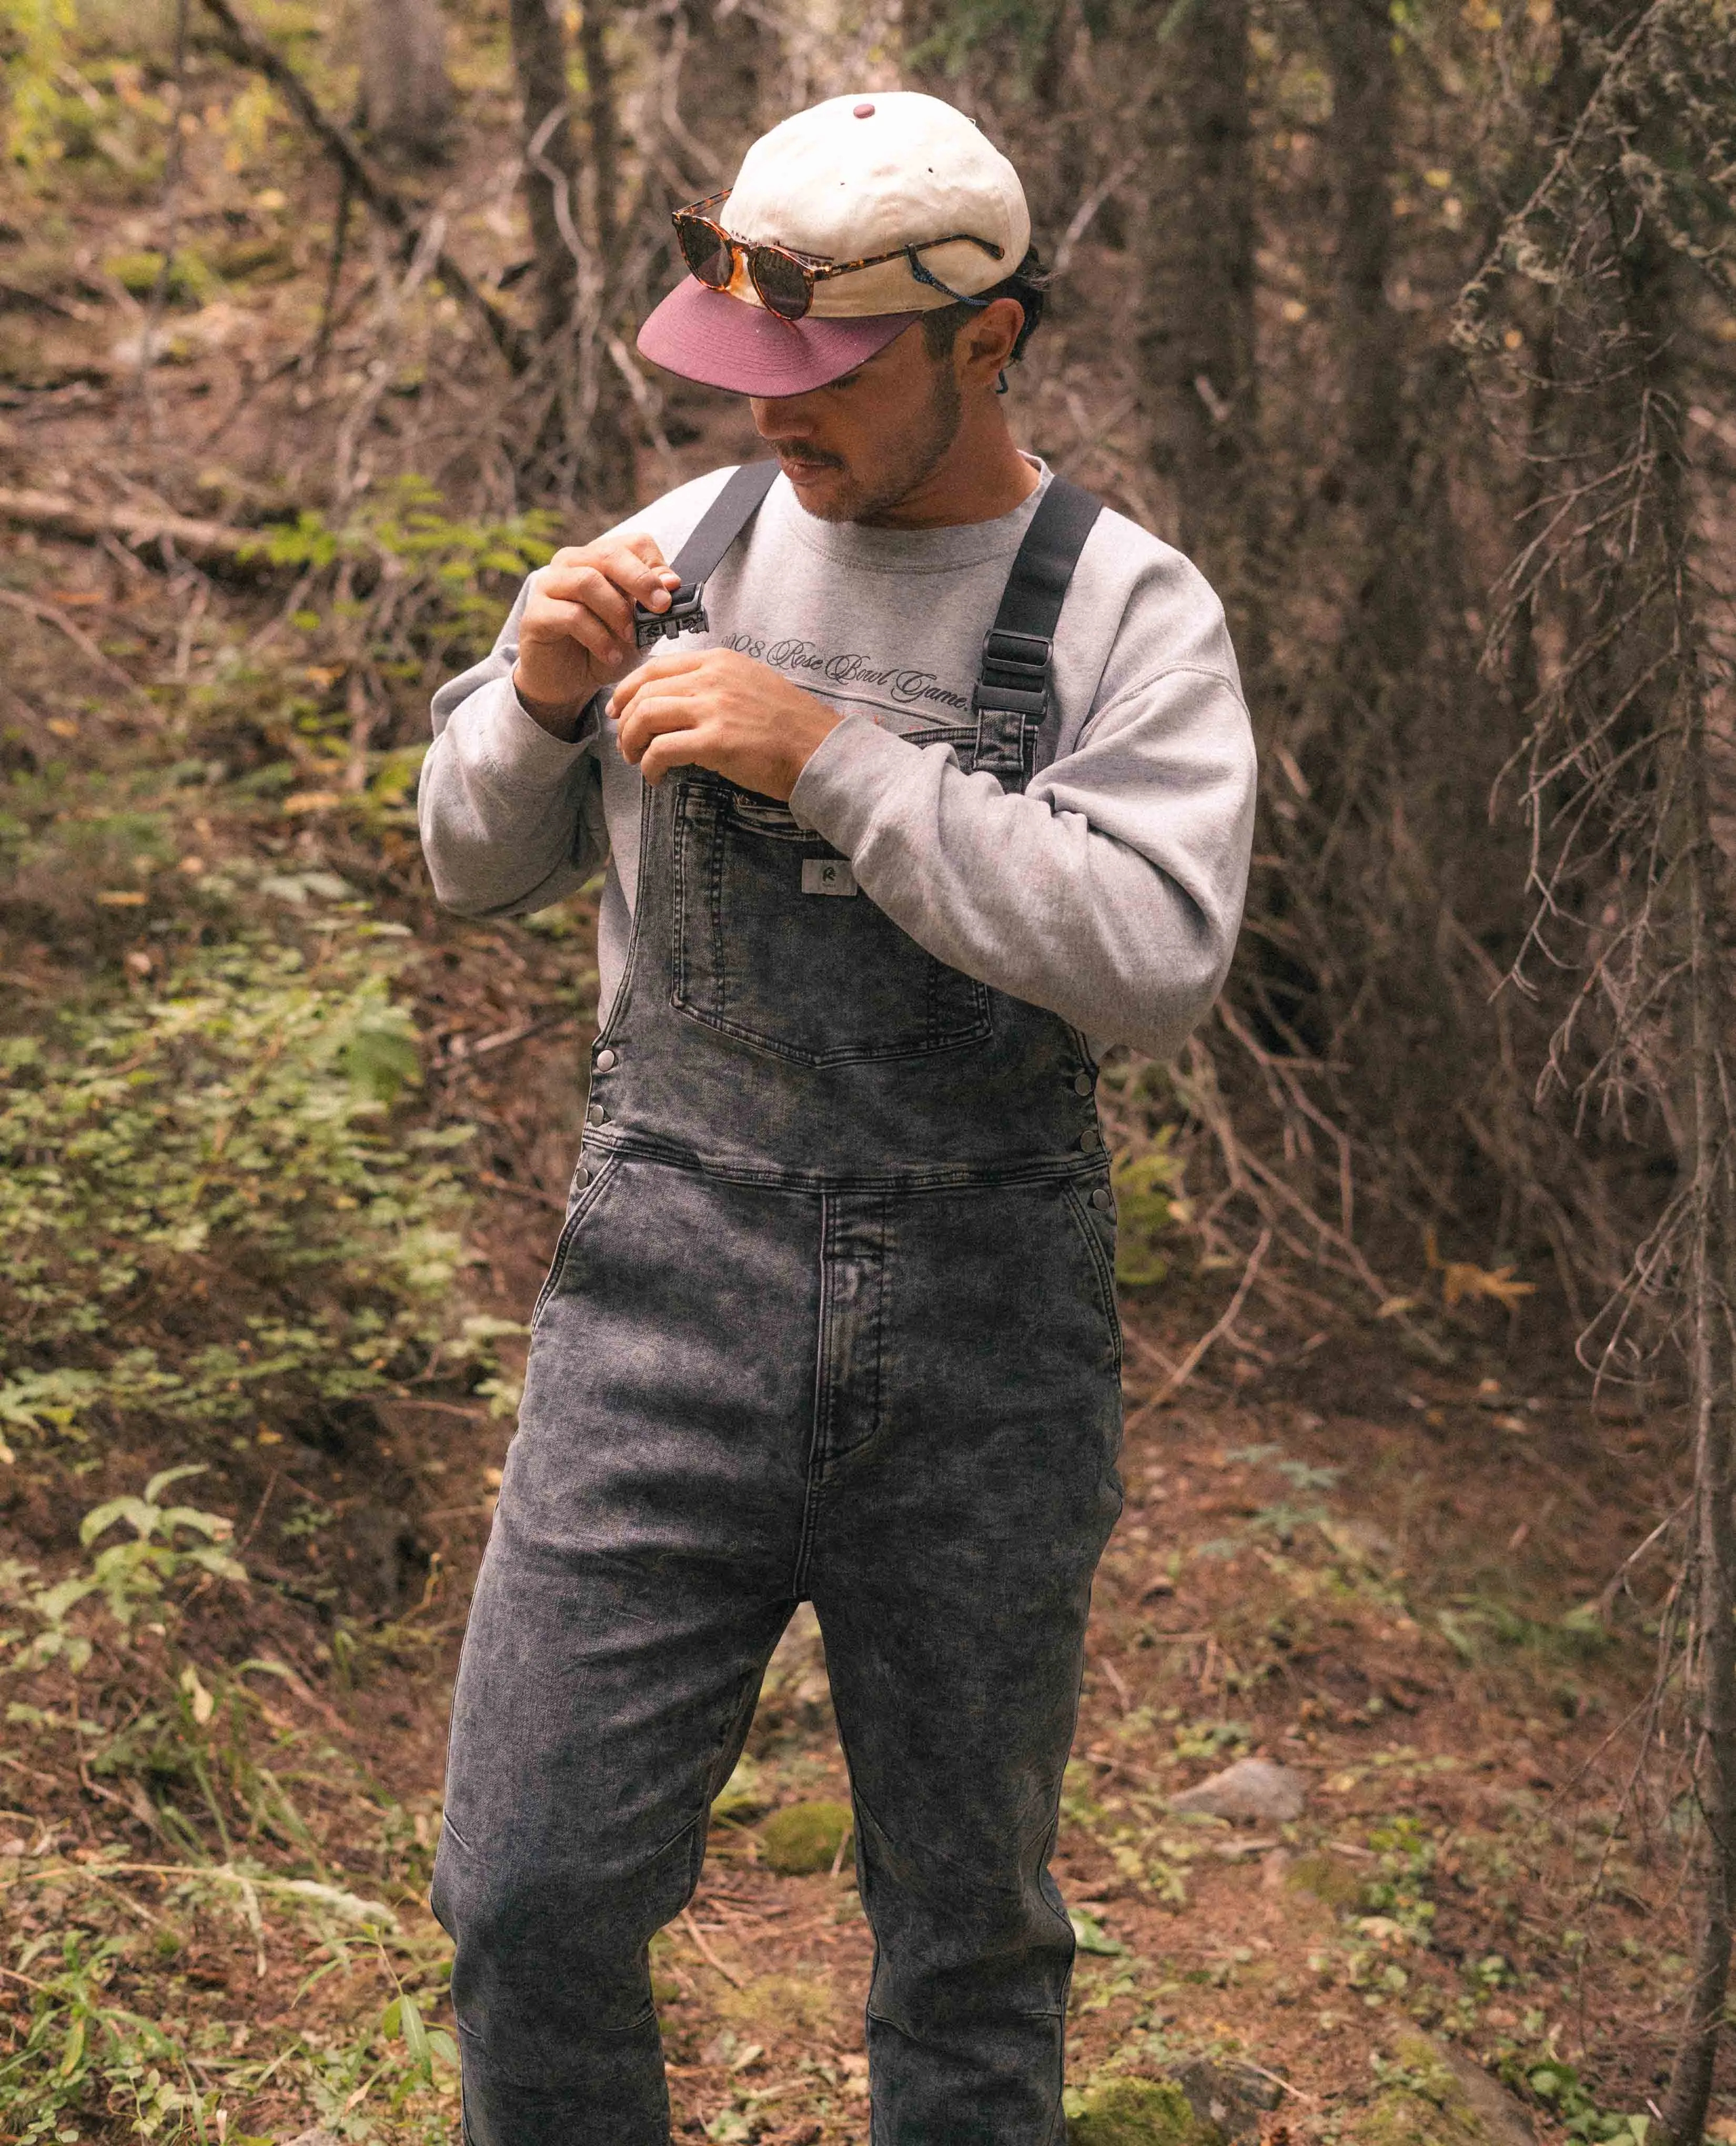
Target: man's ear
column 984, row 346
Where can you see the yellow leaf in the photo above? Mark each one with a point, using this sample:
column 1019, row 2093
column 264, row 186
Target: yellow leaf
column 1460, row 1280
column 203, row 1704
column 120, row 897
column 1395, row 1307
column 311, row 801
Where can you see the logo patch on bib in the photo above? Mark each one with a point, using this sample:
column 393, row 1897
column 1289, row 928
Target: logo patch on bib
column 827, row 876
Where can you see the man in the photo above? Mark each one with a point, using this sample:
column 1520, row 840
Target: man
column 833, row 1315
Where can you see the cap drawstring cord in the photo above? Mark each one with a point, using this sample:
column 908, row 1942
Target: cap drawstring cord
column 958, row 298
column 923, row 276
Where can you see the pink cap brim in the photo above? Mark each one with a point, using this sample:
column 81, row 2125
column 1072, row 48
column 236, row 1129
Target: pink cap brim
column 706, row 335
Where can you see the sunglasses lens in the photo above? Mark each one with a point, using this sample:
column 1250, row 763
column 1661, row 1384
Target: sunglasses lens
column 780, row 283
column 705, row 251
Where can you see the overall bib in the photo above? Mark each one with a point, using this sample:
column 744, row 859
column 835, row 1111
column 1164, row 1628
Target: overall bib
column 831, row 1317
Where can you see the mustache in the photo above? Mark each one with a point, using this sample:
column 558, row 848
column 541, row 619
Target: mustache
column 801, row 458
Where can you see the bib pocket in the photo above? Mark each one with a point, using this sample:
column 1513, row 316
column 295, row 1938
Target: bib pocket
column 766, row 951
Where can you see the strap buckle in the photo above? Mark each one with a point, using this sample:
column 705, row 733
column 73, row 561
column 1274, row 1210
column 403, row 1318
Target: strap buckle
column 687, row 614
column 1015, row 673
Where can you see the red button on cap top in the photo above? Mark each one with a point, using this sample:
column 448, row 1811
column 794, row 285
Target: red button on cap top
column 864, row 112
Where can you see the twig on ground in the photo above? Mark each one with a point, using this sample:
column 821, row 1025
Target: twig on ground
column 50, row 614
column 203, row 541
column 517, row 1192
column 706, row 1952
column 1196, row 1355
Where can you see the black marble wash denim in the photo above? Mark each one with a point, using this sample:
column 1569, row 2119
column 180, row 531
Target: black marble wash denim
column 831, row 1317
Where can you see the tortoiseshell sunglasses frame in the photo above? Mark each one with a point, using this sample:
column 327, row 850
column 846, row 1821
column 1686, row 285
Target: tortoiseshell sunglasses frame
column 812, row 270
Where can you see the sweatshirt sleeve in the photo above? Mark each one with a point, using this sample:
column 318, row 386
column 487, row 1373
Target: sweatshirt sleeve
column 511, row 816
column 1109, row 892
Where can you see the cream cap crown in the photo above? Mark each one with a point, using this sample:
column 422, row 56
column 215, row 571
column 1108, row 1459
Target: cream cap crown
column 861, row 175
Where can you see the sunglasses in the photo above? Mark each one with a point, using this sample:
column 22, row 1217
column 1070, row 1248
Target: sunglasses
column 785, row 281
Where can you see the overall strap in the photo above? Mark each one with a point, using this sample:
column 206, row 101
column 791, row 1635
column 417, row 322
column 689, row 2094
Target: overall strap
column 1018, row 725
column 717, row 528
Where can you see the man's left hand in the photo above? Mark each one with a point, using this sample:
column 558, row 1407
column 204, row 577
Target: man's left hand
column 716, row 709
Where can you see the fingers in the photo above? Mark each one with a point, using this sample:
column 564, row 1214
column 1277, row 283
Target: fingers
column 646, row 546
column 572, row 621
column 558, row 596
column 693, row 747
column 658, row 714
column 678, row 663
column 632, row 565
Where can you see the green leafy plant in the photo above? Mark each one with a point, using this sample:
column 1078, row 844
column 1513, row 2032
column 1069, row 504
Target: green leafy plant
column 1148, row 1205
column 206, row 1207
column 81, row 2049
column 169, row 1542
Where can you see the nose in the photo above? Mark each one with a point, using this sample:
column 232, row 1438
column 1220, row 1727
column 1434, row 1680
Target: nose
column 783, row 417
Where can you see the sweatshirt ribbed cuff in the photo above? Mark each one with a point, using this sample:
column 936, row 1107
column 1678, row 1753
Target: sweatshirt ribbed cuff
column 510, row 749
column 847, row 776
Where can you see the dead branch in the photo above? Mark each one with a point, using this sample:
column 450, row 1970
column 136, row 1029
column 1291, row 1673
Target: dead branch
column 208, row 542
column 252, row 49
column 48, row 614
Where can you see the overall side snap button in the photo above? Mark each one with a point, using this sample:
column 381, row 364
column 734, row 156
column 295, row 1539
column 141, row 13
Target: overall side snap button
column 606, row 1061
column 1091, row 1139
column 1103, row 1198
column 1083, row 1084
column 580, row 1178
column 595, row 1115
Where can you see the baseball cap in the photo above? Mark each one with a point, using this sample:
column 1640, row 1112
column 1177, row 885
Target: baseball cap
column 905, row 198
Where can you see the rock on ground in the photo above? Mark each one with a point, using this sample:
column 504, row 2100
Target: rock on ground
column 1230, row 2098
column 1444, row 2098
column 1251, row 1789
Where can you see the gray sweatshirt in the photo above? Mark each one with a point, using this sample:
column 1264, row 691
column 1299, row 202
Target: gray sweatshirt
column 1109, row 892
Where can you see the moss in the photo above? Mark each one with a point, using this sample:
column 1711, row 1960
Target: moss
column 1131, row 2112
column 1328, row 1879
column 189, row 281
column 804, row 1836
column 1425, row 2104
column 780, row 2002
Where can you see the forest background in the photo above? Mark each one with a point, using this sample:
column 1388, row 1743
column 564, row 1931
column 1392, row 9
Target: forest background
column 1414, row 324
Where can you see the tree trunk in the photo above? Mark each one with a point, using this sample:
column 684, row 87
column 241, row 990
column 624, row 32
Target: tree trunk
column 725, row 60
column 406, row 94
column 1358, row 38
column 581, row 435
column 1656, row 308
column 551, row 161
column 1196, row 345
column 1712, row 1368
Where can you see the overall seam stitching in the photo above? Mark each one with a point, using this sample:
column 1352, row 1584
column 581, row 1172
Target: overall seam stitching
column 939, row 1177
column 629, row 967
column 820, row 1435
column 1101, row 1268
column 570, row 1229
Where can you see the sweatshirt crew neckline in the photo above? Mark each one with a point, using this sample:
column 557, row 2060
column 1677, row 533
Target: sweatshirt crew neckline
column 861, row 549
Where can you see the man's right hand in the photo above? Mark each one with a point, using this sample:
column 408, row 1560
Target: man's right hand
column 575, row 631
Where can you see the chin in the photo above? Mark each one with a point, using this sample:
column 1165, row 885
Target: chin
column 827, row 494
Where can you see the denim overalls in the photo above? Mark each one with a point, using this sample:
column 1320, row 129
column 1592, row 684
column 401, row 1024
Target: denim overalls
column 832, row 1316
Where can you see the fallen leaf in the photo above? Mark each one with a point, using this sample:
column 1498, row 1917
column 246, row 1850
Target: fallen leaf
column 203, row 1704
column 1461, row 1279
